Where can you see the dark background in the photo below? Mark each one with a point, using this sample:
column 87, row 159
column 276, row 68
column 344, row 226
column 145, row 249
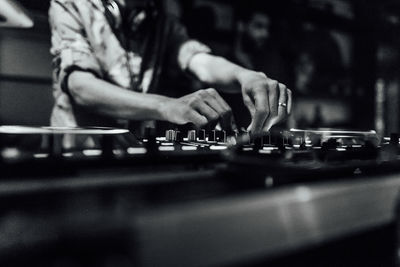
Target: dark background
column 363, row 36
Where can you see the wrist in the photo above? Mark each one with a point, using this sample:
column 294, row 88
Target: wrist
column 245, row 75
column 161, row 106
column 242, row 75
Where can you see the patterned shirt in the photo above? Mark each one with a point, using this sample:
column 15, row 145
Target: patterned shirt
column 83, row 39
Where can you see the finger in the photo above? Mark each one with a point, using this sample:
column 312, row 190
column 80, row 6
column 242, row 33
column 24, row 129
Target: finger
column 219, row 99
column 204, row 109
column 273, row 97
column 251, row 107
column 196, row 118
column 282, row 102
column 289, row 101
column 222, row 108
column 282, row 109
column 234, row 126
column 262, row 110
column 275, row 91
column 249, row 104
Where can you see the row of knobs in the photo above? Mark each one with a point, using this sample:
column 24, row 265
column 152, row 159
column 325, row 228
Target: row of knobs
column 195, row 136
column 221, row 137
column 267, row 139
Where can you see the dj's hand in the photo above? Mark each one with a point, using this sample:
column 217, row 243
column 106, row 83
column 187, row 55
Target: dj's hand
column 204, row 107
column 268, row 101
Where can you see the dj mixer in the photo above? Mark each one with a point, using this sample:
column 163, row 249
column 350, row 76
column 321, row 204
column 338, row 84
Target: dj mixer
column 283, row 154
column 197, row 197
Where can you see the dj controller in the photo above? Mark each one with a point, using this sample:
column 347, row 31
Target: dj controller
column 196, row 197
column 318, row 154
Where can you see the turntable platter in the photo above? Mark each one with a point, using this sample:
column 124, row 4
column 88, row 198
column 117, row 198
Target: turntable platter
column 21, row 130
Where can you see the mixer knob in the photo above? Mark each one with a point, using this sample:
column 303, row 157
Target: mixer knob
column 261, row 141
column 258, row 142
column 331, row 143
column 170, row 135
column 266, row 139
column 202, row 135
column 246, row 136
column 178, row 136
column 221, row 136
column 192, row 136
column 212, row 137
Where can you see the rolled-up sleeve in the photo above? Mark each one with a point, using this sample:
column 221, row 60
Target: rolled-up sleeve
column 185, row 47
column 70, row 47
column 188, row 50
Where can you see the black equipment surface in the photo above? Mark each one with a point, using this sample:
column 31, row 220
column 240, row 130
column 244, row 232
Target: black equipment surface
column 198, row 198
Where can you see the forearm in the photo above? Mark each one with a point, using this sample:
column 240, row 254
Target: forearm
column 107, row 99
column 217, row 70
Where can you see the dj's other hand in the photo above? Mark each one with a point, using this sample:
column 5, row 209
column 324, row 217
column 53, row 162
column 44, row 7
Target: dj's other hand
column 268, row 101
column 203, row 107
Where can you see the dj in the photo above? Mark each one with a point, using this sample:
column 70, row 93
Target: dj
column 108, row 57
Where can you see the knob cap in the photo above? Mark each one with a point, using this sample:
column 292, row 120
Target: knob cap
column 266, row 139
column 170, row 135
column 202, row 135
column 192, row 136
column 212, row 137
column 221, row 136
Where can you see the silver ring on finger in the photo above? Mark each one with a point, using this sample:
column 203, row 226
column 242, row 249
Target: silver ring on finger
column 282, row 105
